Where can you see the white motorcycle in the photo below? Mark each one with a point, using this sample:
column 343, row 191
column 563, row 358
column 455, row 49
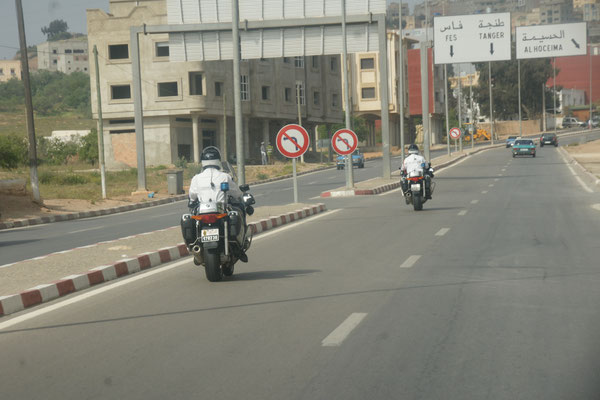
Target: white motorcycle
column 417, row 185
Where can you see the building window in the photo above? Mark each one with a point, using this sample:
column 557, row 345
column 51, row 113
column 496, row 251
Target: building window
column 245, row 88
column 287, row 95
column 196, row 84
column 53, row 61
column 218, row 89
column 68, row 51
column 78, row 51
column 367, row 63
column 317, row 98
column 335, row 100
column 299, row 62
column 300, row 93
column 333, row 64
column 316, row 62
column 12, row 71
column 118, row 52
column 266, row 93
column 53, row 51
column 1, row 71
column 167, row 89
column 286, row 60
column 120, row 92
column 161, row 49
column 368, row 93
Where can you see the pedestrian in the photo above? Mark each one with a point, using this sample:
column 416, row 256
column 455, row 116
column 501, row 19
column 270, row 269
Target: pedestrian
column 263, row 153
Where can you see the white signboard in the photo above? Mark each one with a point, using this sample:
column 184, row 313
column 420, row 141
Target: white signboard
column 558, row 40
column 472, row 38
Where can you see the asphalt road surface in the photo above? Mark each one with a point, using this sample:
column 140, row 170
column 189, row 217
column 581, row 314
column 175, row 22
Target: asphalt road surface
column 25, row 243
column 491, row 292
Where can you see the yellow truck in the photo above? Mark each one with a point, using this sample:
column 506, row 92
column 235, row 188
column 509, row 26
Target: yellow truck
column 480, row 134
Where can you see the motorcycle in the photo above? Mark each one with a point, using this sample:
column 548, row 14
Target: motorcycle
column 217, row 234
column 415, row 186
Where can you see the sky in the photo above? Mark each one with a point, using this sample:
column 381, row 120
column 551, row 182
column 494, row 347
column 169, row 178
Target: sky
column 39, row 13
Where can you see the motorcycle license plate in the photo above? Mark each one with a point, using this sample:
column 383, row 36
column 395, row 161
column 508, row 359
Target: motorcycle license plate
column 415, row 187
column 209, row 235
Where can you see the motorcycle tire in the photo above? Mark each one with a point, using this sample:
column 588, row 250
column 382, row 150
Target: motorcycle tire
column 417, row 202
column 212, row 262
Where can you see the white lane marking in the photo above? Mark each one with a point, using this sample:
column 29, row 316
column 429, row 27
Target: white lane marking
column 312, row 183
column 484, row 192
column 474, row 201
column 64, row 251
column 503, row 169
column 500, row 174
column 442, row 232
column 6, row 265
column 340, row 333
column 87, row 229
column 124, row 281
column 410, row 261
column 463, row 212
column 496, row 180
column 491, row 185
column 594, row 206
column 316, row 197
column 581, row 182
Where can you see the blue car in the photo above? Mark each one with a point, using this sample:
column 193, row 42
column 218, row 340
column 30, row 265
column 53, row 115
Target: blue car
column 358, row 160
column 510, row 141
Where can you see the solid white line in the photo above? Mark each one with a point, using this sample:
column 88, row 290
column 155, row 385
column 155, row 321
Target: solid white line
column 312, row 183
column 474, row 201
column 88, row 229
column 442, row 232
column 64, row 251
column 6, row 265
column 581, row 182
column 124, row 281
column 340, row 333
column 316, row 197
column 295, row 224
column 463, row 212
column 410, row 261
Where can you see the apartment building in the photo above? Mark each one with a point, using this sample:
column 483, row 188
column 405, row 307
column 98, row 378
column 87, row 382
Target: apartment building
column 189, row 105
column 10, row 69
column 555, row 11
column 69, row 55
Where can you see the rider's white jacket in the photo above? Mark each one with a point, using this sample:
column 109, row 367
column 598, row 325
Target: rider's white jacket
column 206, row 187
column 413, row 164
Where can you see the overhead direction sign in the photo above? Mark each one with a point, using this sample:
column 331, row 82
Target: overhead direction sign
column 344, row 142
column 557, row 40
column 472, row 38
column 292, row 141
column 455, row 133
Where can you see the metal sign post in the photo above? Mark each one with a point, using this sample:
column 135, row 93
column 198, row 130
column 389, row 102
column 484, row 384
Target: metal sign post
column 293, row 141
column 347, row 105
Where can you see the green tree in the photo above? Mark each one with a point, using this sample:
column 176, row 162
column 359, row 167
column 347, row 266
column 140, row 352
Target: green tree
column 13, row 151
column 359, row 126
column 88, row 151
column 534, row 74
column 56, row 30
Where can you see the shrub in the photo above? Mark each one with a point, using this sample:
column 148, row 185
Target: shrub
column 262, row 176
column 13, row 151
column 55, row 151
column 88, row 151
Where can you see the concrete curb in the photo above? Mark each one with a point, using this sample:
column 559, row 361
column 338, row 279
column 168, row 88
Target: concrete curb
column 572, row 160
column 73, row 283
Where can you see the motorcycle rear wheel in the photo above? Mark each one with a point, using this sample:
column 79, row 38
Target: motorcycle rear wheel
column 417, row 202
column 212, row 262
column 228, row 269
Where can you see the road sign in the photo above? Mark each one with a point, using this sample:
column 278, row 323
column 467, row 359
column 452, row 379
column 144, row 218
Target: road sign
column 455, row 133
column 344, row 142
column 558, row 40
column 472, row 38
column 292, row 141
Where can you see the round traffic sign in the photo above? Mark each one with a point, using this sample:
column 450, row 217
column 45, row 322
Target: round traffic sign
column 344, row 142
column 292, row 141
column 455, row 133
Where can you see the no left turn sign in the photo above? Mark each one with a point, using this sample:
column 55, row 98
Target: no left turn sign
column 292, row 141
column 455, row 133
column 344, row 142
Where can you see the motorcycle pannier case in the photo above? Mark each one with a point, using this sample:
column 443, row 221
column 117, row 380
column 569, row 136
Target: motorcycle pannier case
column 188, row 229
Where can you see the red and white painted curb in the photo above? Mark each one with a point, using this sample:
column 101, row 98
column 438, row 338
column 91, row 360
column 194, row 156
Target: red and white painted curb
column 361, row 192
column 73, row 283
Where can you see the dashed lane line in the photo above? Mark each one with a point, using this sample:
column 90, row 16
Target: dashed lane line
column 410, row 261
column 340, row 333
column 442, row 232
column 474, row 201
column 484, row 192
column 462, row 213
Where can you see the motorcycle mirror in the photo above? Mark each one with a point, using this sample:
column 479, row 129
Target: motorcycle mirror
column 225, row 186
column 244, row 188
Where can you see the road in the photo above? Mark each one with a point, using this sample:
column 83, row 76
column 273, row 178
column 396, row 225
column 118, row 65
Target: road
column 39, row 240
column 490, row 292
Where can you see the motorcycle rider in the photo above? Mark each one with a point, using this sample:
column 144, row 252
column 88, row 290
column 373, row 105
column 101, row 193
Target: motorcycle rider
column 205, row 188
column 414, row 163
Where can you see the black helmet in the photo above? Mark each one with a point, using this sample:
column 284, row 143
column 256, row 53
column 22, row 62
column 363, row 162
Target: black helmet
column 413, row 149
column 211, row 157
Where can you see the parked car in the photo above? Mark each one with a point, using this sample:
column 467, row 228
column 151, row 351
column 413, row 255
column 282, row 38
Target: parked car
column 523, row 147
column 358, row 160
column 549, row 138
column 510, row 140
column 595, row 122
column 572, row 122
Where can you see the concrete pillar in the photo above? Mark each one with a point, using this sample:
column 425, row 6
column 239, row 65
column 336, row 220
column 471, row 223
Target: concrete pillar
column 196, row 139
column 265, row 133
column 246, row 136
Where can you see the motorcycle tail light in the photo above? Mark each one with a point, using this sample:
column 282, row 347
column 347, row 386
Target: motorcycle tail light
column 209, row 218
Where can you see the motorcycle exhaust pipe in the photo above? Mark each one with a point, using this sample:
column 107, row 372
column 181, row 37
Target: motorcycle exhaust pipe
column 196, row 249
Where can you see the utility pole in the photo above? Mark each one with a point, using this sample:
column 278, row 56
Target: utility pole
column 401, row 84
column 100, row 127
column 446, row 102
column 473, row 127
column 35, row 189
column 425, row 98
column 554, row 90
column 491, row 104
column 519, row 84
column 224, row 145
column 237, row 95
column 349, row 171
column 460, row 122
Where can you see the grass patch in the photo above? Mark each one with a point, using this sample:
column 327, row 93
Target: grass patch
column 15, row 123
